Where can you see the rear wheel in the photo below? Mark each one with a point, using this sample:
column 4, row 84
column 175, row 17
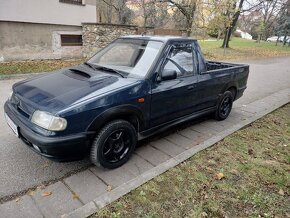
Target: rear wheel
column 225, row 106
column 114, row 144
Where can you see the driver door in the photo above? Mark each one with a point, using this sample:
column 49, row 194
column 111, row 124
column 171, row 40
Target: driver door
column 174, row 98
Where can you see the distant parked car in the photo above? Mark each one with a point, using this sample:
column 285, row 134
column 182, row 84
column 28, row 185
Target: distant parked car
column 281, row 38
column 272, row 39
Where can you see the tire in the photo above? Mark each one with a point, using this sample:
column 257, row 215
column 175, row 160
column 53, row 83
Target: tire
column 224, row 106
column 114, row 144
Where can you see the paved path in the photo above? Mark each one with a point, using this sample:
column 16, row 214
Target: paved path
column 22, row 169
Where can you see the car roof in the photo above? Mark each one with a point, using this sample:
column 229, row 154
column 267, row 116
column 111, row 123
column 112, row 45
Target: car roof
column 158, row 38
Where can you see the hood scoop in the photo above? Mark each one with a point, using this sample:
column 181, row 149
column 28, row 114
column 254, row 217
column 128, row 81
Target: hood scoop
column 78, row 74
column 91, row 76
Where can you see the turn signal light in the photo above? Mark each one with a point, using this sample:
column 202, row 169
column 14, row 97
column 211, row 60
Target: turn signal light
column 141, row 100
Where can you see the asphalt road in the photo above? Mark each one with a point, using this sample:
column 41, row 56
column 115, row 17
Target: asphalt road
column 21, row 168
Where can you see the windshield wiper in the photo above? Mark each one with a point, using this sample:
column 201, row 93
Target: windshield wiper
column 98, row 67
column 109, row 69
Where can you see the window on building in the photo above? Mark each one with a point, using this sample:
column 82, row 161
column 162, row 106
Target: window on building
column 71, row 40
column 75, row 2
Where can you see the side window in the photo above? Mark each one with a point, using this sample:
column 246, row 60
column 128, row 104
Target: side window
column 180, row 59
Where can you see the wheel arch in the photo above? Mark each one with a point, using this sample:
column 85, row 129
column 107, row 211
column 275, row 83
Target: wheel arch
column 126, row 112
column 232, row 87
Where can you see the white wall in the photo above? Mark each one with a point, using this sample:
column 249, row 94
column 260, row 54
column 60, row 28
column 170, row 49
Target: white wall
column 46, row 11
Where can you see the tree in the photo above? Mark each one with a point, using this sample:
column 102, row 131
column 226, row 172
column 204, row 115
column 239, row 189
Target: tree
column 218, row 16
column 154, row 13
column 283, row 22
column 124, row 14
column 251, row 23
column 234, row 19
column 187, row 8
column 270, row 10
column 260, row 29
column 104, row 11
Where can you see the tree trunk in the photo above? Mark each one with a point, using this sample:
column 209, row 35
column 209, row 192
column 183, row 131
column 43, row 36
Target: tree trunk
column 227, row 37
column 259, row 38
column 109, row 13
column 144, row 14
column 219, row 35
column 229, row 30
column 188, row 26
column 277, row 40
column 285, row 38
column 145, row 22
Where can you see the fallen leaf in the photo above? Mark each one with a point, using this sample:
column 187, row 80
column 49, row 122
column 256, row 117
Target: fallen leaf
column 219, row 176
column 234, row 171
column 209, row 169
column 281, row 192
column 75, row 196
column 17, row 199
column 41, row 187
column 31, row 193
column 109, row 188
column 45, row 194
column 204, row 214
column 250, row 151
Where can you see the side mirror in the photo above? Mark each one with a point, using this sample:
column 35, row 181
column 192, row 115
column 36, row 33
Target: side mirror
column 168, row 74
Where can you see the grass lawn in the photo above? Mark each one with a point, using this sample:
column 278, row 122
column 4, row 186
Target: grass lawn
column 35, row 66
column 240, row 49
column 243, row 49
column 245, row 175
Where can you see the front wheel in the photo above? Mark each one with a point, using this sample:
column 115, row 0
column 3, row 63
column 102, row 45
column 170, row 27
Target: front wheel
column 114, row 144
column 224, row 106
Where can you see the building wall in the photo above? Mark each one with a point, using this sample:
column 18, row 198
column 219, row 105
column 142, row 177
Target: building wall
column 47, row 11
column 22, row 41
column 96, row 36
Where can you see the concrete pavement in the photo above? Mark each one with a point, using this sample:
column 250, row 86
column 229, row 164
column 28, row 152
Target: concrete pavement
column 21, row 169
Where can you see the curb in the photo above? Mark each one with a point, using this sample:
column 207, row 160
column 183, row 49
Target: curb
column 105, row 199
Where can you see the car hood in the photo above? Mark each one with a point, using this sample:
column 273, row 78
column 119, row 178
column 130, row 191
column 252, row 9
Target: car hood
column 64, row 88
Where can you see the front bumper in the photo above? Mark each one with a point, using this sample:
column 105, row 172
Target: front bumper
column 60, row 148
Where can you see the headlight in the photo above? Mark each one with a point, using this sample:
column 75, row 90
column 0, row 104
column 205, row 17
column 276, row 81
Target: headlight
column 48, row 121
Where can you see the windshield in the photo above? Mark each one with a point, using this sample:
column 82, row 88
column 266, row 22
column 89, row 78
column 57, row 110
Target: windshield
column 129, row 56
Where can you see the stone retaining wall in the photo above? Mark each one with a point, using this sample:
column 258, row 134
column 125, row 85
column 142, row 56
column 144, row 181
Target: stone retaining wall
column 97, row 35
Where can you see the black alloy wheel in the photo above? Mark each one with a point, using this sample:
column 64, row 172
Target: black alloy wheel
column 117, row 146
column 114, row 144
column 225, row 106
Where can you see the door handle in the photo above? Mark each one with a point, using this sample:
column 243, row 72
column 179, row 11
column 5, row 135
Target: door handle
column 190, row 87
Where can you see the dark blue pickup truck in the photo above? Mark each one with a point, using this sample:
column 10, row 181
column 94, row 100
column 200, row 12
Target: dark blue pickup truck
column 133, row 88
